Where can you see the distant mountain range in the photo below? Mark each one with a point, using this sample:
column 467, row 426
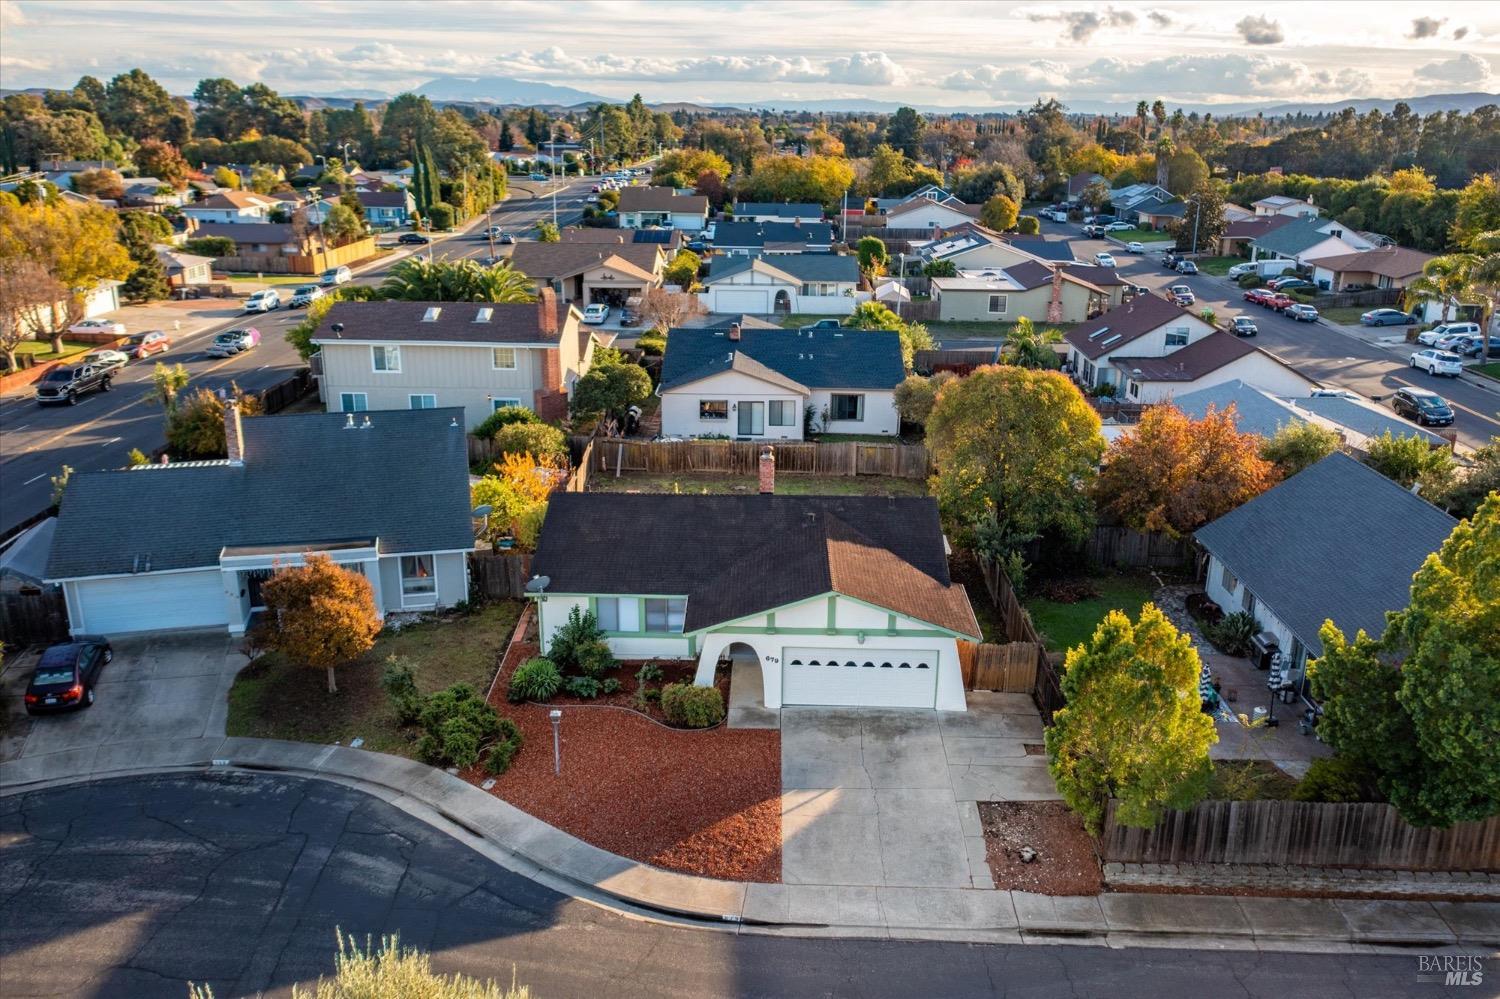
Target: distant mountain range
column 503, row 90
column 1464, row 103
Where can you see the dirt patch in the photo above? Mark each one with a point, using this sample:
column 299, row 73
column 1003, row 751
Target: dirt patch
column 1065, row 864
column 1034, row 748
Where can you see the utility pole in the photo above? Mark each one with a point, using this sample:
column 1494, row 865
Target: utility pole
column 552, row 134
column 1197, row 215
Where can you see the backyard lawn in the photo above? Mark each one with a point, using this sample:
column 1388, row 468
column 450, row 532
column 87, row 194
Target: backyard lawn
column 1064, row 625
column 1217, row 266
column 786, row 484
column 273, row 698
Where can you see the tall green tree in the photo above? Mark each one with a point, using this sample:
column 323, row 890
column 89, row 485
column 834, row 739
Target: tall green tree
column 138, row 107
column 1470, row 276
column 148, row 280
column 1410, row 461
column 1132, row 728
column 1298, row 445
column 905, row 130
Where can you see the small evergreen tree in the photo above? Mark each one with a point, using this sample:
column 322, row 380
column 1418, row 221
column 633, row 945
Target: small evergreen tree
column 148, row 282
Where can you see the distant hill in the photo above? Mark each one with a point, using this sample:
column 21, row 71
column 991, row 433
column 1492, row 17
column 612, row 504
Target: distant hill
column 1464, row 103
column 503, row 90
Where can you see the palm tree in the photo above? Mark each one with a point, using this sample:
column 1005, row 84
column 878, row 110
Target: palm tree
column 1029, row 347
column 1473, row 276
column 417, row 279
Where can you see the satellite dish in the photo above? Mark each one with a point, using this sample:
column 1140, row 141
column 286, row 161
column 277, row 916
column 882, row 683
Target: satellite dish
column 538, row 584
column 481, row 511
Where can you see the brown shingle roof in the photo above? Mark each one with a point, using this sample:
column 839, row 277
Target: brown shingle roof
column 401, row 322
column 1127, row 322
column 1389, row 261
column 1187, row 363
column 660, row 199
column 549, row 261
column 237, row 199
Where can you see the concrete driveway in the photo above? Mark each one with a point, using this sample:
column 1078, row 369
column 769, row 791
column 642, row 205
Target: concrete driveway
column 157, row 688
column 876, row 797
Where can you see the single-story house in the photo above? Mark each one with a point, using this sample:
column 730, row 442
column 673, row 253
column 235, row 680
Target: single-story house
column 1281, row 204
column 1337, row 541
column 1146, row 325
column 1156, row 213
column 1385, row 267
column 1055, row 294
column 776, row 238
column 386, row 495
column 647, row 206
column 843, row 600
column 586, row 273
column 928, row 213
column 1308, row 239
column 775, row 211
column 1123, row 199
column 758, row 384
column 1239, row 233
column 1218, row 357
column 1080, row 182
column 476, row 355
column 670, row 240
column 229, row 207
column 388, row 208
column 803, row 283
column 149, row 192
column 269, row 239
column 184, row 269
column 927, row 192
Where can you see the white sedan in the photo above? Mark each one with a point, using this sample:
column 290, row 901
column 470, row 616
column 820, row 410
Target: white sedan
column 595, row 314
column 1134, row 246
column 1437, row 362
column 108, row 326
column 1104, row 259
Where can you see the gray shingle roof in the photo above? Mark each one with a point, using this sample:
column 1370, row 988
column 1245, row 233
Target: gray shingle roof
column 758, row 234
column 401, row 322
column 781, row 210
column 1336, row 541
column 822, row 359
column 802, row 266
column 753, row 553
column 1363, row 419
column 661, row 199
column 306, row 480
column 1255, row 411
column 1290, row 240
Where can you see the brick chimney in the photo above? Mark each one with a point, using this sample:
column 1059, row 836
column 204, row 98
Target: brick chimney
column 734, row 331
column 546, row 312
column 767, row 470
column 234, row 433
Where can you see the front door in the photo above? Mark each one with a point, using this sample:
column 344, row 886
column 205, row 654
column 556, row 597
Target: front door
column 752, row 419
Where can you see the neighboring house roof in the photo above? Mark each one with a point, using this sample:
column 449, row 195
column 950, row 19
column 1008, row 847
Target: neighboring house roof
column 546, row 261
column 264, row 232
column 1255, row 412
column 1057, row 250
column 1079, row 182
column 1362, row 419
column 668, row 238
column 756, row 234
column 306, row 480
column 226, row 199
column 1280, row 201
column 820, row 359
column 781, row 210
column 1337, row 540
column 1388, row 261
column 918, row 204
column 1162, row 209
column 386, row 199
column 1122, row 324
column 1257, row 226
column 661, row 199
column 1187, row 364
column 454, row 322
column 174, row 259
column 1100, row 277
column 752, row 554
column 1029, row 274
column 1290, row 240
column 25, row 557
column 795, row 268
column 743, row 320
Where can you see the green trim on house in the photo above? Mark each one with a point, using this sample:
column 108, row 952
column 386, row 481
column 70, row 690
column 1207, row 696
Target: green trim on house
column 890, row 624
column 693, row 645
column 908, row 633
column 833, row 605
column 730, row 625
column 771, row 623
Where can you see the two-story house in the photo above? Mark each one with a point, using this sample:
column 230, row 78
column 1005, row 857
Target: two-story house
column 776, row 211
column 228, row 207
column 1147, row 325
column 1308, row 239
column 647, row 206
column 476, row 355
column 388, row 208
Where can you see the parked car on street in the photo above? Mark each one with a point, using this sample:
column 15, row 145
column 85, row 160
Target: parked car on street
column 1181, row 294
column 413, row 238
column 335, row 276
column 821, row 324
column 106, row 326
column 1301, row 312
column 1429, row 338
column 596, row 314
column 232, row 342
column 1104, row 259
column 304, row 296
column 1257, row 296
column 1449, row 341
column 1118, row 226
column 64, row 677
column 1279, row 302
column 1473, row 346
column 106, row 360
column 1437, row 362
column 1239, row 270
column 538, row 176
column 1135, row 246
column 506, row 239
column 1424, row 406
column 1287, row 283
column 1386, row 317
column 1186, row 267
column 263, row 301
column 67, row 382
column 139, row 346
column 1243, row 326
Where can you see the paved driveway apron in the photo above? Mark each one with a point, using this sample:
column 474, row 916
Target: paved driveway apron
column 876, row 797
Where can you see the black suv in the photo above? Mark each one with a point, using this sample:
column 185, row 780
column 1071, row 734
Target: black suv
column 413, row 237
column 64, row 678
column 66, row 383
column 1428, row 409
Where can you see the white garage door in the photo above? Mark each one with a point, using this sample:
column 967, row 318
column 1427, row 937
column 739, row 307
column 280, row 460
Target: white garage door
column 152, row 602
column 868, row 676
column 754, row 302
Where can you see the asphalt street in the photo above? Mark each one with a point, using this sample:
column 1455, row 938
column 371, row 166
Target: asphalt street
column 137, row 887
column 100, row 431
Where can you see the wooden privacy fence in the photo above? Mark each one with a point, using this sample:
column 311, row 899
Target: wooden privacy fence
column 499, row 575
column 1045, row 689
column 1120, row 545
column 40, row 616
column 903, row 461
column 1010, row 667
column 284, row 393
column 1307, row 833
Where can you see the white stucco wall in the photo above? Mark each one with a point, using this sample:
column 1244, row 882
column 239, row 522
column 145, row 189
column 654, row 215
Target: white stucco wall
column 1256, row 370
column 679, row 406
column 880, row 412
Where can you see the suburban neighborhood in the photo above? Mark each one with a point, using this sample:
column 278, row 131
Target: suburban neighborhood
column 1003, row 532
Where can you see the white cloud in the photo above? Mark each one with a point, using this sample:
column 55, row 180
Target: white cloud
column 1426, row 27
column 11, row 14
column 1008, row 79
column 1259, row 30
column 1160, row 18
column 1081, row 25
column 27, row 65
column 868, row 69
column 1467, row 69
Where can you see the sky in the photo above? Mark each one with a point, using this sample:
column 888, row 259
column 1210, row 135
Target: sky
column 925, row 52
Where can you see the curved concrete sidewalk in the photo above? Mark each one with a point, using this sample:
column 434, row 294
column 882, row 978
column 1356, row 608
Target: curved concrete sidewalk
column 538, row 850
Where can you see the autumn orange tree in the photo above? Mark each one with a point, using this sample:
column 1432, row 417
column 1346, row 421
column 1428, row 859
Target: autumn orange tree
column 1175, row 474
column 321, row 615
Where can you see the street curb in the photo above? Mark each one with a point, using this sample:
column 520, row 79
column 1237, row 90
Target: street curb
column 560, row 861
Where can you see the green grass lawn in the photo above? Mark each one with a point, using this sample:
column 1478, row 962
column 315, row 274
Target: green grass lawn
column 1349, row 315
column 1063, row 626
column 1217, row 266
column 42, row 349
column 279, row 280
column 1141, row 236
column 786, row 484
column 276, row 699
column 1492, row 369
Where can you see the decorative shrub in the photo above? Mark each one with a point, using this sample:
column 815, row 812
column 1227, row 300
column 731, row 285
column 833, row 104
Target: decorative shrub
column 579, row 630
column 535, row 439
column 583, row 686
column 691, row 706
column 505, row 749
column 610, row 686
column 504, row 417
column 649, row 673
column 456, row 723
column 400, row 685
column 595, row 659
column 1232, row 635
column 534, row 680
column 1336, row 779
column 653, row 343
column 1251, row 280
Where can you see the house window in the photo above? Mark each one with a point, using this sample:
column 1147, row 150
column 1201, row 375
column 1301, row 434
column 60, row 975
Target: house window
column 386, row 359
column 618, row 613
column 418, row 584
column 1135, row 390
column 502, row 403
column 504, row 358
column 713, row 409
column 847, row 407
column 783, row 413
column 997, row 305
column 354, row 402
column 1177, row 337
column 1248, row 602
column 425, row 401
column 1228, row 581
column 665, row 614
